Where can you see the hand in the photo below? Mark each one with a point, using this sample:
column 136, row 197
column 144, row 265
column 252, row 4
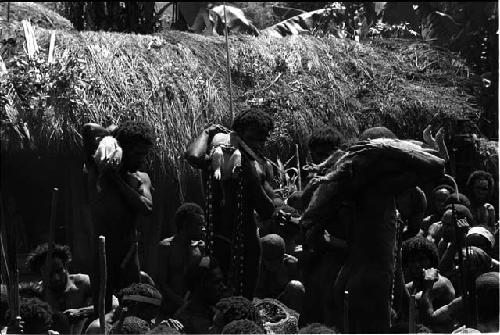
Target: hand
column 215, row 129
column 430, row 277
column 175, row 324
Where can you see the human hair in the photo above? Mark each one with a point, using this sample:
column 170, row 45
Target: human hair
column 163, row 329
column 376, row 132
column 138, row 289
column 478, row 175
column 237, row 308
column 243, row 327
column 326, row 136
column 198, row 271
column 461, row 212
column 36, row 259
column 419, row 245
column 487, row 291
column 317, row 328
column 30, row 289
column 130, row 325
column 461, row 199
column 255, row 117
column 130, row 133
column 36, row 314
column 186, row 212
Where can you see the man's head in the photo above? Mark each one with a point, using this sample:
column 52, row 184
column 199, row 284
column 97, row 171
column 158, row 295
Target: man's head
column 254, row 126
column 141, row 300
column 58, row 277
column 480, row 186
column 286, row 222
column 234, row 308
column 487, row 292
column 439, row 196
column 243, row 327
column 323, row 142
column 482, row 238
column 204, row 279
column 412, row 202
column 418, row 254
column 130, row 325
column 447, row 230
column 376, row 132
column 317, row 328
column 136, row 140
column 189, row 219
column 459, row 199
column 273, row 252
column 477, row 262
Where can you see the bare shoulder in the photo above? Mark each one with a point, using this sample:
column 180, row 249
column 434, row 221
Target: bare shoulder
column 80, row 280
column 144, row 177
column 167, row 242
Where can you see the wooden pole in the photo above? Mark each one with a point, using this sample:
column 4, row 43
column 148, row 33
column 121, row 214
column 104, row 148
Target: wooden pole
column 411, row 315
column 298, row 166
column 228, row 67
column 51, row 47
column 346, row 312
column 8, row 12
column 102, row 283
column 52, row 229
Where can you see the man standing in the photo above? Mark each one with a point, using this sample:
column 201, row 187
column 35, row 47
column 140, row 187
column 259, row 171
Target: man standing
column 234, row 200
column 118, row 194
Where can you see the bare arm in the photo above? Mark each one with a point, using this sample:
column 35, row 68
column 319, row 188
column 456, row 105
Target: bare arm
column 262, row 193
column 196, row 153
column 92, row 134
column 139, row 199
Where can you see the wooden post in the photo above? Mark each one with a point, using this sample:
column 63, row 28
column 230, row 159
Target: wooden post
column 298, row 166
column 51, row 47
column 52, row 229
column 411, row 315
column 228, row 68
column 102, row 284
column 346, row 312
column 8, row 12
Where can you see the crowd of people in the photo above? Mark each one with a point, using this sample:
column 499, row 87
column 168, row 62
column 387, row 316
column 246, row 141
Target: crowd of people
column 247, row 247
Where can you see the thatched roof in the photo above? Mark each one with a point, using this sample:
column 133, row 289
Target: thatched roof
column 37, row 13
column 177, row 82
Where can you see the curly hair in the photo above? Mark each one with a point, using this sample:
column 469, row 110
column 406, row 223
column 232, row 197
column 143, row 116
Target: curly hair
column 163, row 329
column 461, row 199
column 478, row 175
column 31, row 290
column 185, row 212
column 140, row 289
column 36, row 259
column 255, row 117
column 130, row 325
column 237, row 308
column 243, row 327
column 317, row 328
column 36, row 314
column 326, row 136
column 418, row 245
column 130, row 133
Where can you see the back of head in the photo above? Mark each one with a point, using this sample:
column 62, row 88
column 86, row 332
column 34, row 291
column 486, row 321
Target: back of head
column 36, row 314
column 419, row 245
column 459, row 199
column 328, row 137
column 131, row 133
column 163, row 329
column 487, row 291
column 478, row 175
column 476, row 260
column 130, row 325
column 36, row 258
column 235, row 308
column 461, row 212
column 480, row 237
column 317, row 328
column 142, row 300
column 273, row 247
column 376, row 132
column 243, row 327
column 255, row 118
column 186, row 212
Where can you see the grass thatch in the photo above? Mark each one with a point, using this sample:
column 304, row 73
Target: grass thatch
column 36, row 13
column 177, row 82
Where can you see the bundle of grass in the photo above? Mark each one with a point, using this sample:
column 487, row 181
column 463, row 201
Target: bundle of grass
column 37, row 13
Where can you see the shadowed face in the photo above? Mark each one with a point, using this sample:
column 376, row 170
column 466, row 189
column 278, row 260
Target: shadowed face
column 58, row 277
column 255, row 138
column 415, row 265
column 320, row 153
column 196, row 227
column 481, row 189
column 134, row 157
column 440, row 197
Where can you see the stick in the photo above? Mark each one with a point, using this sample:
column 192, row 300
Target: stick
column 346, row 312
column 411, row 315
column 3, row 68
column 102, row 283
column 51, row 47
column 52, row 228
column 8, row 12
column 298, row 166
column 228, row 67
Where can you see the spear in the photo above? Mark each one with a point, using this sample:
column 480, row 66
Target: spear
column 228, row 67
column 52, row 226
column 346, row 312
column 298, row 166
column 102, row 284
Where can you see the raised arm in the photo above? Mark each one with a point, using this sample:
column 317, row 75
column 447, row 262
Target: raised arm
column 92, row 133
column 196, row 153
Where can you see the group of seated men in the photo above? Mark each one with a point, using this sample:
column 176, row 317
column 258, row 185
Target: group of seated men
column 192, row 292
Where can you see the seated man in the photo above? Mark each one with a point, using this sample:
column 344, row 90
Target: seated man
column 204, row 281
column 36, row 317
column 68, row 293
column 279, row 274
column 419, row 254
column 480, row 188
column 177, row 252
